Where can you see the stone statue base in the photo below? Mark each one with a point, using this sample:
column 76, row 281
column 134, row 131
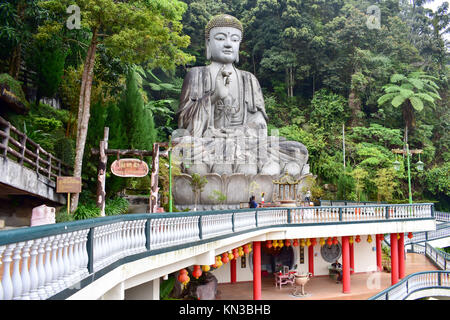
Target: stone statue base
column 223, row 192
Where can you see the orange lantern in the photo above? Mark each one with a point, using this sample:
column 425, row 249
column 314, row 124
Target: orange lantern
column 225, row 258
column 350, row 240
column 183, row 276
column 240, row 252
column 369, row 238
column 308, row 242
column 197, row 272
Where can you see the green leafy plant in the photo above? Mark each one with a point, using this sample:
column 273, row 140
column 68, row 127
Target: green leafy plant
column 116, row 206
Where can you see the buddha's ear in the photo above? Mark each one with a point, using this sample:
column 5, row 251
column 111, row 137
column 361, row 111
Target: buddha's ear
column 208, row 51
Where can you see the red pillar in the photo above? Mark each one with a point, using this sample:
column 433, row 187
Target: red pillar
column 394, row 259
column 233, row 270
column 379, row 253
column 401, row 256
column 345, row 265
column 311, row 259
column 256, row 270
column 352, row 259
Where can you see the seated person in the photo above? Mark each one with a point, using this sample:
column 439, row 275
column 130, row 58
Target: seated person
column 338, row 268
column 252, row 203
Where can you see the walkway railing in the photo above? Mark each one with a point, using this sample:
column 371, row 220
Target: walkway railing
column 54, row 261
column 17, row 146
column 421, row 280
column 415, row 282
column 442, row 231
column 442, row 216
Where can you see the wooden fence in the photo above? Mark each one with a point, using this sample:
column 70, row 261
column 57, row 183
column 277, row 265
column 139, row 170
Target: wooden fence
column 17, row 146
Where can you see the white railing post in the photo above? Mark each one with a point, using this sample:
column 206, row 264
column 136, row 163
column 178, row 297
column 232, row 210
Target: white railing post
column 6, row 278
column 34, row 276
column 25, row 274
column 16, row 279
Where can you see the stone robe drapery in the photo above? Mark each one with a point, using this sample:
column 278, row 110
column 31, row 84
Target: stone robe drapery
column 196, row 113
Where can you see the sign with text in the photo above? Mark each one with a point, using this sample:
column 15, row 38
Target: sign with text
column 129, row 168
column 68, row 184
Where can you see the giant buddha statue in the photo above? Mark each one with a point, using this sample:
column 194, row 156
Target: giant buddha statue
column 222, row 118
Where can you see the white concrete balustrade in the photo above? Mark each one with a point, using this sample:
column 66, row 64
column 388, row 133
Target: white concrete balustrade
column 244, row 220
column 216, row 224
column 44, row 266
column 40, row 268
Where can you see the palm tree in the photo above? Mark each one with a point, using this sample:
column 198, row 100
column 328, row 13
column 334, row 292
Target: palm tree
column 411, row 92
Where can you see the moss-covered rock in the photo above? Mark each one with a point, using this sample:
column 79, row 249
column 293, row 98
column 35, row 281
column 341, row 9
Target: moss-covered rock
column 12, row 95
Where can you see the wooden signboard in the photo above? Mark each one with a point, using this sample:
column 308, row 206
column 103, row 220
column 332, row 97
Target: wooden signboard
column 129, row 168
column 68, row 185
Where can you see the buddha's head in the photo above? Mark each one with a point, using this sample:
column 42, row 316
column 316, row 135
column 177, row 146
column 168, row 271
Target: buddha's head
column 223, row 35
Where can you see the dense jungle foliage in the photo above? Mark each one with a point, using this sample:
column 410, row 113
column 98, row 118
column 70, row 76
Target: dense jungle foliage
column 325, row 71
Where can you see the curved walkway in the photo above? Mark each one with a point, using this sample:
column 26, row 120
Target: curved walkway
column 363, row 285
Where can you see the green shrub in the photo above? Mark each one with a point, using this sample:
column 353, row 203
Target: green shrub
column 86, row 212
column 116, row 206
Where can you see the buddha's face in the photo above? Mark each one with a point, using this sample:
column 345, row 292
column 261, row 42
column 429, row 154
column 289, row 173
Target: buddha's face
column 223, row 44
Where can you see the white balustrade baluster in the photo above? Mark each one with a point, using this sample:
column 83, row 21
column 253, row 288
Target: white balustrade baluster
column 2, row 248
column 44, row 267
column 34, row 275
column 24, row 273
column 6, row 278
column 60, row 262
column 132, row 237
column 73, row 257
column 66, row 260
column 126, row 238
column 53, row 288
column 16, row 278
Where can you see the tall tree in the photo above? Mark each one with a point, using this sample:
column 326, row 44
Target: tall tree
column 411, row 92
column 138, row 31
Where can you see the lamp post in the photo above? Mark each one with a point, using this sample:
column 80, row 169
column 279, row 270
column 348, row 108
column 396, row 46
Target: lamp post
column 170, row 174
column 419, row 164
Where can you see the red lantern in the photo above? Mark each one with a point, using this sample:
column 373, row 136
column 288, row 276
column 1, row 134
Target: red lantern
column 235, row 253
column 381, row 237
column 410, row 235
column 225, row 258
column 183, row 277
column 287, row 243
column 335, row 240
column 329, row 242
column 313, row 242
column 268, row 244
column 197, row 272
column 358, row 239
column 246, row 250
column 295, row 243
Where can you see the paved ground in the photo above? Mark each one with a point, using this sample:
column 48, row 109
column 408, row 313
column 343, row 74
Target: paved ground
column 363, row 285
